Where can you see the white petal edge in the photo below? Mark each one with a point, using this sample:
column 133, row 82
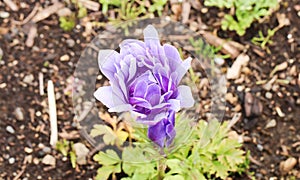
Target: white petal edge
column 121, row 108
column 105, row 95
column 185, row 96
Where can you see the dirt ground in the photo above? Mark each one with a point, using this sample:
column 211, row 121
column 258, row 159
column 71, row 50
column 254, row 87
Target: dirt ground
column 268, row 101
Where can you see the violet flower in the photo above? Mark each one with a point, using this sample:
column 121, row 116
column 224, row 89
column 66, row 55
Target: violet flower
column 144, row 79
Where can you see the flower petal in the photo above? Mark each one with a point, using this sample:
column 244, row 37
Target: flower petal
column 173, row 56
column 185, row 96
column 157, row 133
column 182, row 69
column 121, row 108
column 105, row 95
column 175, row 104
column 106, row 62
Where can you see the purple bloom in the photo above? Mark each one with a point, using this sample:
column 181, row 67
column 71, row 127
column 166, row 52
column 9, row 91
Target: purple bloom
column 144, row 80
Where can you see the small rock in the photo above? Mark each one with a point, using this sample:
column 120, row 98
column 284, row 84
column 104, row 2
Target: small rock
column 70, row 43
column 4, row 14
column 49, row 160
column 46, row 150
column 28, row 79
column 81, row 152
column 28, row 150
column 269, row 95
column 279, row 111
column 271, row 124
column 10, row 129
column 19, row 114
column 287, row 165
column 11, row 160
column 65, row 57
column 231, row 98
column 36, row 161
column 235, row 70
column 260, row 147
column 240, row 88
column 219, row 61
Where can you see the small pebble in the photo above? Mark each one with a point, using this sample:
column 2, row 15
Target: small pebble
column 49, row 160
column 70, row 43
column 240, row 88
column 28, row 150
column 271, row 124
column 4, row 14
column 11, row 160
column 65, row 57
column 219, row 61
column 260, row 147
column 10, row 129
column 269, row 95
column 19, row 114
column 47, row 150
column 28, row 79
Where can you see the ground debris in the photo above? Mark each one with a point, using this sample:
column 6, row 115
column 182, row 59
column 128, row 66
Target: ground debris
column 235, row 70
column 287, row 165
column 49, row 160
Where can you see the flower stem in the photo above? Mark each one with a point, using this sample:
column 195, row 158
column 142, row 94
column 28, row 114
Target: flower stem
column 161, row 168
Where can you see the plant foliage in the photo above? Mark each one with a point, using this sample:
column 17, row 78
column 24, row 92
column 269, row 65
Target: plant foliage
column 202, row 152
column 244, row 12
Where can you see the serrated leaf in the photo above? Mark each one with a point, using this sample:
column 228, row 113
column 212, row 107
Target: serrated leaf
column 104, row 172
column 122, row 136
column 109, row 135
column 219, row 169
column 108, row 158
column 175, row 166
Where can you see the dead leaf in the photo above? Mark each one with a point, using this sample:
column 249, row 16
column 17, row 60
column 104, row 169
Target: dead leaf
column 228, row 47
column 91, row 5
column 31, row 35
column 287, row 165
column 282, row 20
column 43, row 14
column 235, row 70
column 252, row 105
column 11, row 5
column 186, row 8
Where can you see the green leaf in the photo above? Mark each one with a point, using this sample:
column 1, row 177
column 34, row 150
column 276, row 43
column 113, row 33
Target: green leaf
column 104, row 172
column 73, row 158
column 175, row 166
column 109, row 135
column 174, row 177
column 108, row 158
column 220, row 170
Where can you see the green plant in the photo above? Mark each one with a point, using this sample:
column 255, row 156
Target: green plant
column 128, row 14
column 201, row 151
column 67, row 23
column 106, row 3
column 244, row 13
column 158, row 6
column 66, row 148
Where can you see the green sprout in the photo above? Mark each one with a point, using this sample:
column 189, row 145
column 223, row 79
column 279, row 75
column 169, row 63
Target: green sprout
column 244, row 12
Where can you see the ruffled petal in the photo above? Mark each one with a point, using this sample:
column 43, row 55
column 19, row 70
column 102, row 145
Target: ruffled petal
column 157, row 133
column 185, row 96
column 105, row 96
column 182, row 69
column 173, row 56
column 121, row 108
column 107, row 60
